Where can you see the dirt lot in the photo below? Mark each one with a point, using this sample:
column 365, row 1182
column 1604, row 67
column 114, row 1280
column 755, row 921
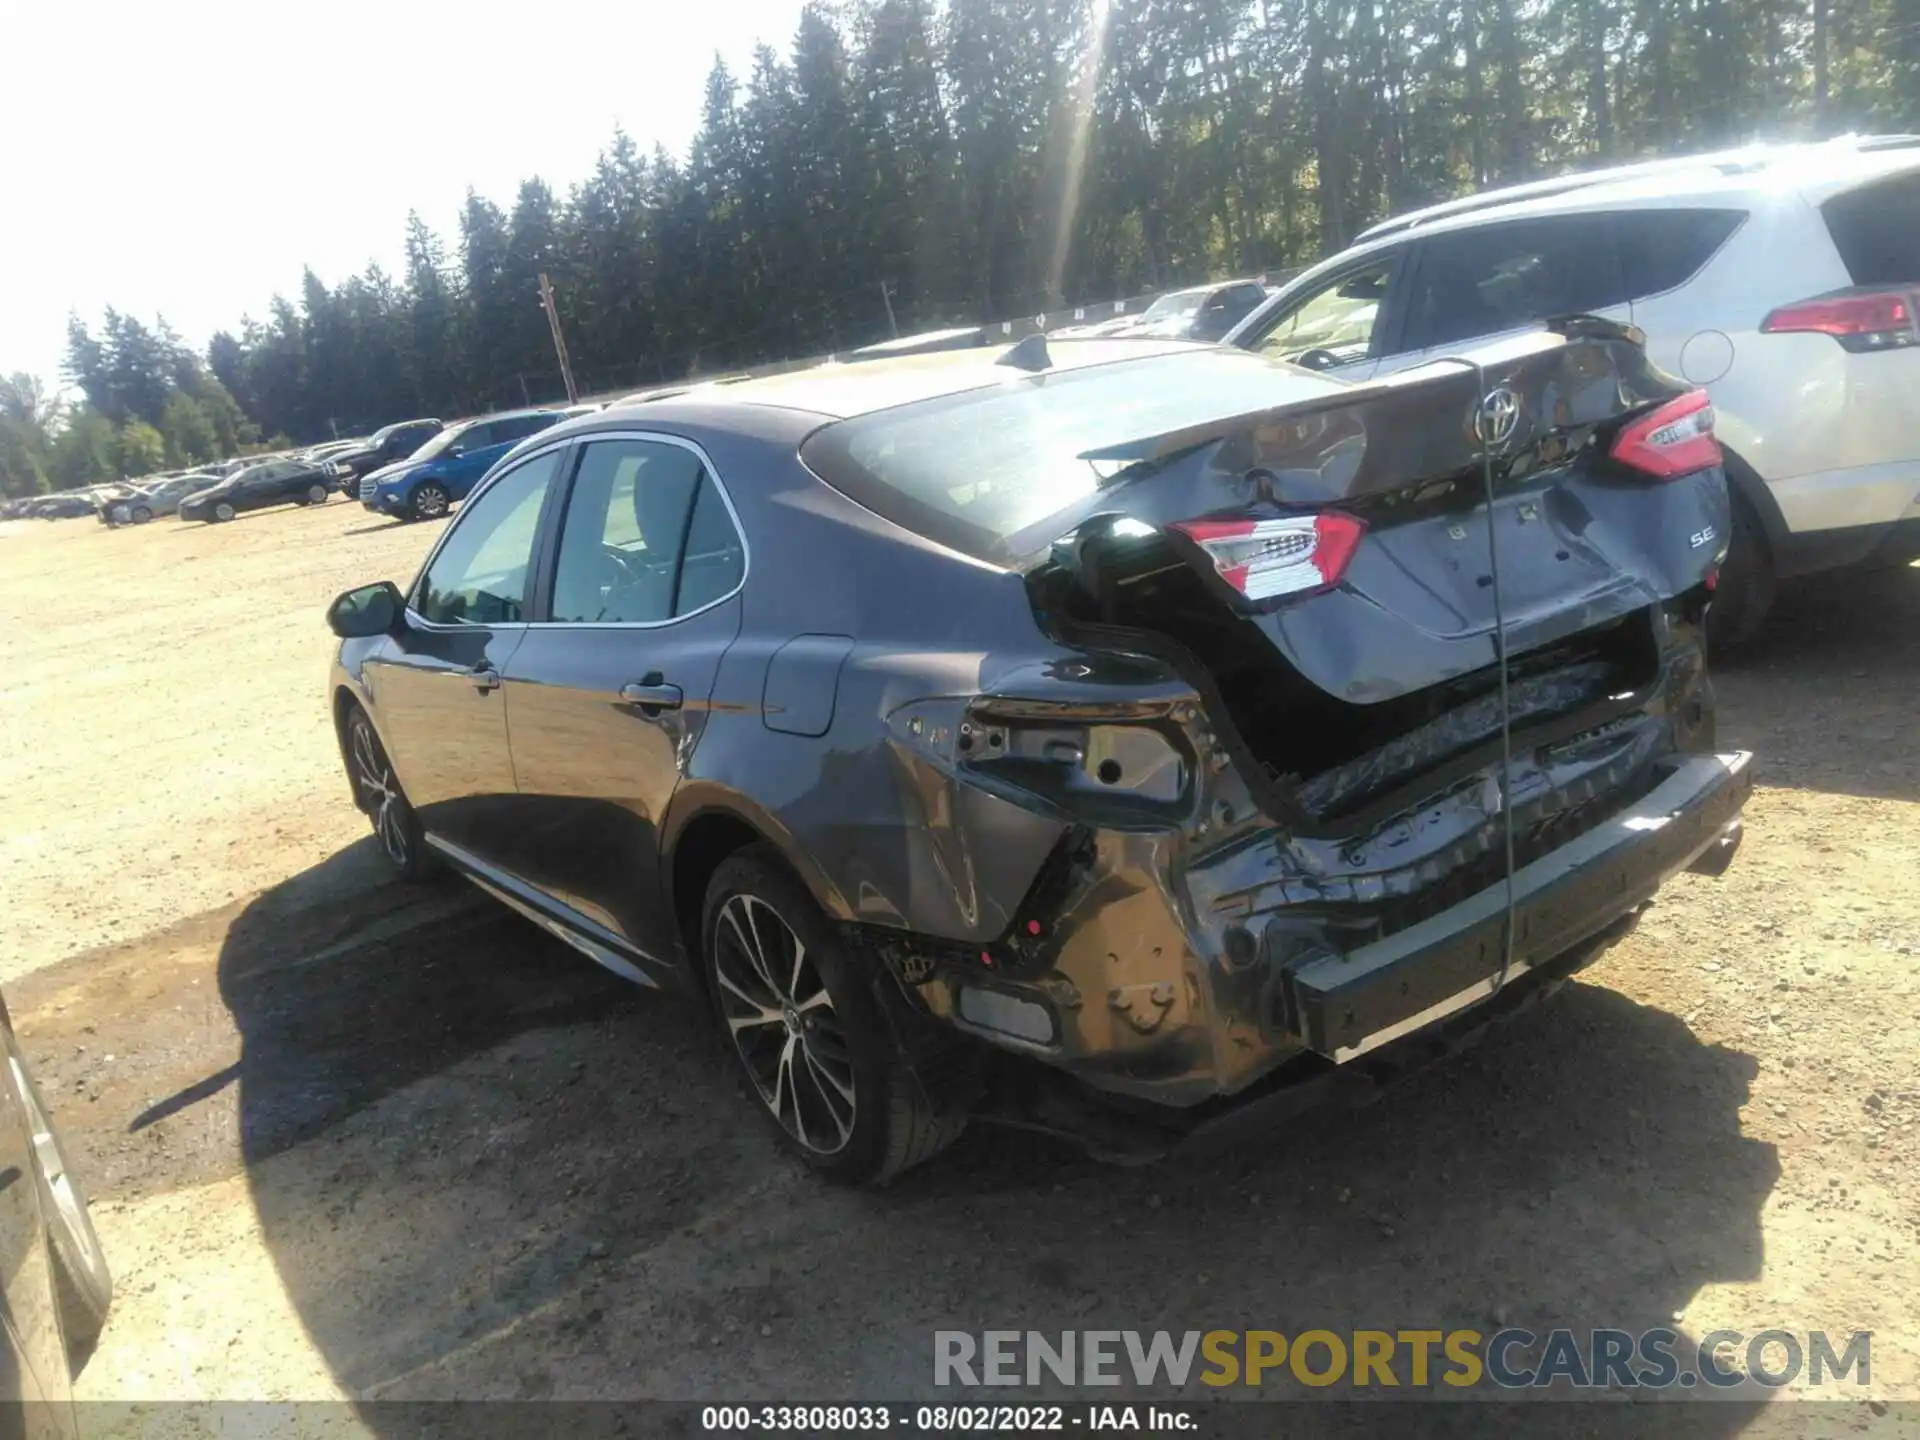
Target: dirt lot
column 347, row 1139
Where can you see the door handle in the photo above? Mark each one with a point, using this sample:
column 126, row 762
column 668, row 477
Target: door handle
column 652, row 695
column 484, row 677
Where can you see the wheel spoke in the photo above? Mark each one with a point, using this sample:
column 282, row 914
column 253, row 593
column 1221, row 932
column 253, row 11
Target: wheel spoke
column 788, row 1035
column 783, row 1085
column 799, row 959
column 836, row 1099
column 364, row 757
column 819, row 1067
column 748, row 941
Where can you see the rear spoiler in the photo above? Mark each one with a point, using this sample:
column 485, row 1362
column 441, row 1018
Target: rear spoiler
column 1555, row 365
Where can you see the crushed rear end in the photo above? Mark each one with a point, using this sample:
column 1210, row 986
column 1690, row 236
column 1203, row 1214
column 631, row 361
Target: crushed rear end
column 1340, row 751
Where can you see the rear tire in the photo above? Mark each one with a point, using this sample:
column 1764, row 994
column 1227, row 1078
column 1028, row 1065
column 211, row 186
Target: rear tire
column 1745, row 590
column 808, row 1032
column 82, row 1283
column 317, row 494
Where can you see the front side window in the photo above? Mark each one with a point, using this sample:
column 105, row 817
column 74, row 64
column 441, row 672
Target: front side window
column 1488, row 279
column 639, row 508
column 479, row 576
column 1340, row 317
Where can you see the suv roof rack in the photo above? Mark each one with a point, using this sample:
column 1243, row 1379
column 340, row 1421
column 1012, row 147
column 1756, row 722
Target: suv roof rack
column 1729, row 162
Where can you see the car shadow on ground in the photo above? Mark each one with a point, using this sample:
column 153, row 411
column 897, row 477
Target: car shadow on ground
column 1825, row 692
column 378, row 525
column 486, row 1169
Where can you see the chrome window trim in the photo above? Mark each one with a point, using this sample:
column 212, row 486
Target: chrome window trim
column 486, row 482
column 733, row 514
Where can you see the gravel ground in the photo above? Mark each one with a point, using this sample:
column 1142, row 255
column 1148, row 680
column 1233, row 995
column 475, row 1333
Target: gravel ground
column 350, row 1139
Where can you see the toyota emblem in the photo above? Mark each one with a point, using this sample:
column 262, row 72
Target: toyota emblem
column 1498, row 417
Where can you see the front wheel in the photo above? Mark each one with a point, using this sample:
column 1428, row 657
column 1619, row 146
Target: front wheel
column 798, row 1016
column 429, row 502
column 224, row 511
column 141, row 514
column 317, row 494
column 376, row 789
column 83, row 1286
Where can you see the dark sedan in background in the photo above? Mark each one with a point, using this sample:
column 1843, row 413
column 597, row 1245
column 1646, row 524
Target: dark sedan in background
column 277, row 482
column 384, row 447
column 1096, row 735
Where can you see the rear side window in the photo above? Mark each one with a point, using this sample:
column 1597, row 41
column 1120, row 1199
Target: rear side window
column 1491, row 278
column 1877, row 231
column 1663, row 249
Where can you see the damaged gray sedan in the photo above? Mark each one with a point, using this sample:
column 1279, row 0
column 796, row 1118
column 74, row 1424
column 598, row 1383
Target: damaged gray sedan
column 1124, row 739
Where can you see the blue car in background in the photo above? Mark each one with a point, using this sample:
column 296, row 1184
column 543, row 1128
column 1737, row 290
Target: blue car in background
column 446, row 468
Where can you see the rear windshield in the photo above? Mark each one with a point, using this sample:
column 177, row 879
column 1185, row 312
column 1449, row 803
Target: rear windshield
column 975, row 470
column 1877, row 231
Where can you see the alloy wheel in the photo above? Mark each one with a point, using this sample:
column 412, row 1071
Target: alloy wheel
column 316, row 493
column 430, row 501
column 70, row 1211
column 380, row 793
column 784, row 1025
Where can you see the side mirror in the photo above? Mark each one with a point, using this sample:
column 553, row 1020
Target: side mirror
column 456, row 450
column 370, row 610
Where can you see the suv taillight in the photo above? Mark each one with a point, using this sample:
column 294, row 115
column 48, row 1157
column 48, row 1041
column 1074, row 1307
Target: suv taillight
column 1268, row 559
column 1861, row 320
column 1674, row 440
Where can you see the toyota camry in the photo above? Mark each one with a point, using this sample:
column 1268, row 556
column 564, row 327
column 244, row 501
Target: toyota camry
column 1118, row 737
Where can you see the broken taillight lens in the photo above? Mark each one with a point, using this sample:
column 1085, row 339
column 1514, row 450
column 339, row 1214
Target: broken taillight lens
column 1677, row 439
column 1266, row 559
column 1861, row 321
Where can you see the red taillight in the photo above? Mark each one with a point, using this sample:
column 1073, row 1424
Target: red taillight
column 1860, row 321
column 1674, row 440
column 1265, row 559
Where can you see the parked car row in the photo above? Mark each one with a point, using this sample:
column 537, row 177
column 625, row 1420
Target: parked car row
column 429, row 481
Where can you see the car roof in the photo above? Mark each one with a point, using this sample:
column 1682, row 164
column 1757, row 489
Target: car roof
column 1726, row 175
column 840, row 391
column 509, row 415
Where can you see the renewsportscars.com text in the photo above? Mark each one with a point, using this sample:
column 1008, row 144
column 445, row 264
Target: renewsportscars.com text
column 1510, row 1359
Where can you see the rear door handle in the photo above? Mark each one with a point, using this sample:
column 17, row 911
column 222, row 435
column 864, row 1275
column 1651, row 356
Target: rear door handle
column 652, row 694
column 484, row 677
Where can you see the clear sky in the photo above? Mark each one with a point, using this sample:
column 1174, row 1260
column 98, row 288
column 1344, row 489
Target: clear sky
column 187, row 158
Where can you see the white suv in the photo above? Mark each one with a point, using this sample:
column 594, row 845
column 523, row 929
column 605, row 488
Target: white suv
column 1783, row 279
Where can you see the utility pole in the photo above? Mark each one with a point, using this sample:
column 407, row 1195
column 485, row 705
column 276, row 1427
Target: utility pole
column 559, row 340
column 886, row 295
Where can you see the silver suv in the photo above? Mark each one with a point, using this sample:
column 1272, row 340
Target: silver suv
column 1783, row 279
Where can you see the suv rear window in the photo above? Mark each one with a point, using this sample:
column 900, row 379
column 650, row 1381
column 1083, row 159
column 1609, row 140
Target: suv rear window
column 972, row 470
column 1663, row 249
column 1877, row 231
